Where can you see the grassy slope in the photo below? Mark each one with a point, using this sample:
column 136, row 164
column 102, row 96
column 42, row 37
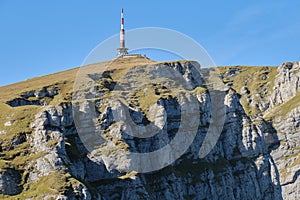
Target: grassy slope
column 11, row 91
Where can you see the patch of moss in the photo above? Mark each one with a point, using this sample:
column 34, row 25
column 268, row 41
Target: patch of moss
column 52, row 143
column 294, row 158
column 19, row 150
column 259, row 80
column 283, row 109
column 20, row 118
column 4, row 164
column 147, row 97
column 20, row 162
column 199, row 90
column 113, row 151
column 53, row 183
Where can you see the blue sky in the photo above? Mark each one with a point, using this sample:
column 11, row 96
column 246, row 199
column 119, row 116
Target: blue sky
column 43, row 37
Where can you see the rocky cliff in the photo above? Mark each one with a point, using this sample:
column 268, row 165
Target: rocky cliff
column 133, row 128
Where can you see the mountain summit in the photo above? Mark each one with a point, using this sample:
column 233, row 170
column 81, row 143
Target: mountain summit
column 133, row 128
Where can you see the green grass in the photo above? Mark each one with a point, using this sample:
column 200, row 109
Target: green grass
column 54, row 183
column 23, row 160
column 252, row 78
column 283, row 109
column 12, row 91
column 295, row 161
column 21, row 117
column 149, row 94
column 119, row 149
column 52, row 143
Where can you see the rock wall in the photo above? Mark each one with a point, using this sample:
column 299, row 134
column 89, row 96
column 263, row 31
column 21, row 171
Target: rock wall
column 254, row 158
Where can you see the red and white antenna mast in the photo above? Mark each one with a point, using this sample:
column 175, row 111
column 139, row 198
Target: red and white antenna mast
column 122, row 50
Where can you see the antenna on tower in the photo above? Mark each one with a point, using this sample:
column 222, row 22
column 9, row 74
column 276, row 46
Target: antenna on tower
column 122, row 50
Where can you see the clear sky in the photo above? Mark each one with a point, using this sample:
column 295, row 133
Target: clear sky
column 42, row 37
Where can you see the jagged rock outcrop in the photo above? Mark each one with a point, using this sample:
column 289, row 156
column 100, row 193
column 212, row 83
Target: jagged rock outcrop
column 286, row 122
column 286, row 83
column 93, row 143
column 40, row 97
column 48, row 140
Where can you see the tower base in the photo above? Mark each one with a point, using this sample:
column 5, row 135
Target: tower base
column 122, row 51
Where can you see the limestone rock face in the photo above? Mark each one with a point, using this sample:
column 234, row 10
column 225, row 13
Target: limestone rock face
column 287, row 156
column 286, row 83
column 286, row 122
column 95, row 141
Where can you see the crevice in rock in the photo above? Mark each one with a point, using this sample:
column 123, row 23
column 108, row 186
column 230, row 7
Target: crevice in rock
column 10, row 180
column 295, row 177
column 39, row 98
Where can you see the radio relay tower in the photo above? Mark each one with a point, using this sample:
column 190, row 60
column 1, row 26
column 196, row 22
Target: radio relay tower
column 122, row 50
